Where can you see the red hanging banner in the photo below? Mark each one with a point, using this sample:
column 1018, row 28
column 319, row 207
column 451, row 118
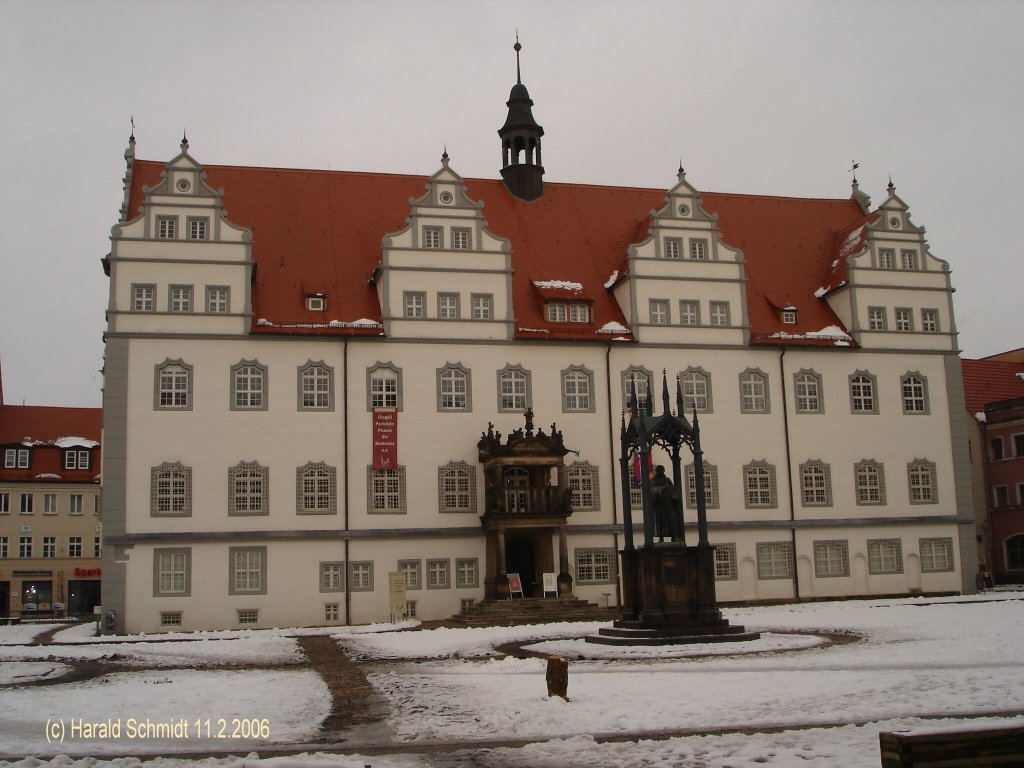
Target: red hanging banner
column 385, row 438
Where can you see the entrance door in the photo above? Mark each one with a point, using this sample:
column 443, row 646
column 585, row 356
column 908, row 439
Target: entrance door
column 5, row 598
column 83, row 596
column 520, row 558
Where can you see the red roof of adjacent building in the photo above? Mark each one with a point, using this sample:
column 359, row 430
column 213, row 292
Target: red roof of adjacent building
column 991, row 381
column 47, row 431
column 321, row 232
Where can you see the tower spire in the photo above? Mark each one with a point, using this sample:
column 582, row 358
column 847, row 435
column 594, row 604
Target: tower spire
column 521, row 168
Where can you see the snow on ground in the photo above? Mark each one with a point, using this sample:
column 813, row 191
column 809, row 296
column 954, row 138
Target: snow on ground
column 918, row 664
column 14, row 634
column 15, row 673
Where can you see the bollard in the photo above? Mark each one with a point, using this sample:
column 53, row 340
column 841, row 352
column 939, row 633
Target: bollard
column 558, row 677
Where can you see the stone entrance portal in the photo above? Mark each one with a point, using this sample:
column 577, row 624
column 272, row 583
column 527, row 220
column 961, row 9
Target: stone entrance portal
column 527, row 505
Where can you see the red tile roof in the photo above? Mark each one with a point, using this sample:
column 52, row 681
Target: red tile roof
column 41, row 428
column 991, row 381
column 321, row 231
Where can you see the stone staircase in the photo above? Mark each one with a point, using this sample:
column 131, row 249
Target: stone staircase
column 532, row 610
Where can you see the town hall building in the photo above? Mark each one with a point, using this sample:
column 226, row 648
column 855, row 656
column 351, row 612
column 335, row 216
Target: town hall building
column 315, row 379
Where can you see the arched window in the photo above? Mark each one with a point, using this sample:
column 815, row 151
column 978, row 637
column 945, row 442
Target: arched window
column 759, row 484
column 914, row 392
column 171, row 490
column 173, row 386
column 248, row 489
column 695, row 384
column 315, row 485
column 581, row 477
column 453, row 388
column 315, row 390
column 248, row 386
column 513, row 388
column 456, row 487
column 862, row 393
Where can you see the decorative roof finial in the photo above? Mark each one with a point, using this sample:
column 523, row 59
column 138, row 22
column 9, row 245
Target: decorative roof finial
column 517, row 47
column 681, row 174
column 184, row 141
column 854, row 165
column 131, row 138
column 444, row 156
column 891, row 187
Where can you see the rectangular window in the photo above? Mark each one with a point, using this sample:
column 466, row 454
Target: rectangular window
column 247, row 568
column 410, row 609
column 49, row 503
column 673, row 247
column 3, row 547
column 921, row 477
column 412, row 570
column 332, row 576
column 170, row 618
column 885, row 556
column 50, row 546
column 431, row 237
column 576, row 386
column 774, row 560
column 831, row 558
column 579, row 313
column 595, row 565
column 930, row 320
column 862, row 393
column 789, row 316
column 437, row 574
column 383, row 388
column 908, row 259
column 759, row 485
column 876, row 319
column 197, row 228
column 808, row 392
column 720, row 313
column 887, row 258
column 1018, row 444
column 74, row 546
column 315, row 388
column 180, row 298
column 217, row 299
column 1000, row 496
column 725, row 562
column 815, row 484
column 25, row 546
column 415, row 304
column 5, row 503
column 699, row 250
column 460, row 239
column 659, row 312
column 171, row 572
column 248, row 616
column 557, row 312
column 870, row 483
column 143, row 298
column 331, row 611
column 996, row 444
column 904, row 319
column 166, row 227
column 27, row 503
column 75, row 459
column 97, row 547
column 753, row 392
column 467, row 573
column 936, row 554
column 689, row 312
column 482, row 306
column 387, row 491
column 448, row 306
column 360, row 577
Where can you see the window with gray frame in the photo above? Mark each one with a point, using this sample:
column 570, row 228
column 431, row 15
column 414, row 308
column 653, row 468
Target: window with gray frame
column 816, row 484
column 754, row 391
column 930, row 320
column 869, row 482
column 413, row 573
column 166, row 227
column 483, row 306
column 316, row 489
column 456, row 487
column 448, row 306
column 179, row 298
column 514, row 390
column 247, row 570
column 831, row 558
column 454, row 388
column 595, row 565
column 249, row 386
column 438, row 574
column 582, row 481
column 695, row 385
column 908, row 259
column 384, row 386
column 332, row 576
column 143, row 297
column 719, row 313
column 414, row 304
column 171, row 490
column 914, row 392
column 885, row 556
column 936, row 554
column 863, row 389
column 774, row 560
column 218, row 299
column 808, row 388
column 904, row 319
column 173, row 385
column 467, row 573
column 432, row 237
column 248, row 489
column 921, row 479
column 636, row 380
column 689, row 312
column 316, row 389
column 886, row 258
column 460, row 239
column 385, row 492
column 673, row 247
column 577, row 390
column 877, row 319
column 759, row 488
column 710, row 486
column 725, row 562
column 659, row 312
column 698, row 249
column 172, row 572
column 198, row 227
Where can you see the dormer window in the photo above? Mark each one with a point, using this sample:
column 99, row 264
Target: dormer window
column 316, row 302
column 557, row 312
column 77, row 458
column 579, row 313
column 16, row 458
column 166, row 227
column 789, row 316
column 572, row 312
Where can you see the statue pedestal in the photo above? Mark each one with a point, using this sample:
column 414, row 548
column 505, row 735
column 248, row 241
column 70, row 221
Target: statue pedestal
column 668, row 593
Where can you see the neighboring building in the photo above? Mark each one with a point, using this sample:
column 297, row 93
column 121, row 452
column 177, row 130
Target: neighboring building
column 272, row 331
column 49, row 510
column 994, row 390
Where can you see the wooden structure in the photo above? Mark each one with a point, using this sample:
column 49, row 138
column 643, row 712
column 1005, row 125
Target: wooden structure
column 975, row 748
column 668, row 588
column 527, row 504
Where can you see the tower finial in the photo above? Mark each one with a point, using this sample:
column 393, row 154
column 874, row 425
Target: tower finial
column 854, row 165
column 517, row 47
column 892, row 187
column 681, row 174
column 184, row 141
column 132, row 121
column 444, row 156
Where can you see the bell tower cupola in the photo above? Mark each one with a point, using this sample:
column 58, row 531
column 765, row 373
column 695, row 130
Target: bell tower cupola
column 521, row 167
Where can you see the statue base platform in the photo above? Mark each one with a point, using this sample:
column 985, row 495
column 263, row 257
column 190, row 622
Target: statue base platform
column 669, row 599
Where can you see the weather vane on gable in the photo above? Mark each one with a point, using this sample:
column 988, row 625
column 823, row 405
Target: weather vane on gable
column 854, row 165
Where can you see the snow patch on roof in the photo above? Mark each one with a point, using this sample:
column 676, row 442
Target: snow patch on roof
column 820, row 292
column 77, row 442
column 534, row 330
column 849, row 246
column 47, row 476
column 1020, row 376
column 361, row 323
column 613, row 327
column 828, row 332
column 611, row 280
column 564, row 285
column 980, row 415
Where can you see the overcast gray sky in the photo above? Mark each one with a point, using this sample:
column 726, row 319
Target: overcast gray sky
column 756, row 97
